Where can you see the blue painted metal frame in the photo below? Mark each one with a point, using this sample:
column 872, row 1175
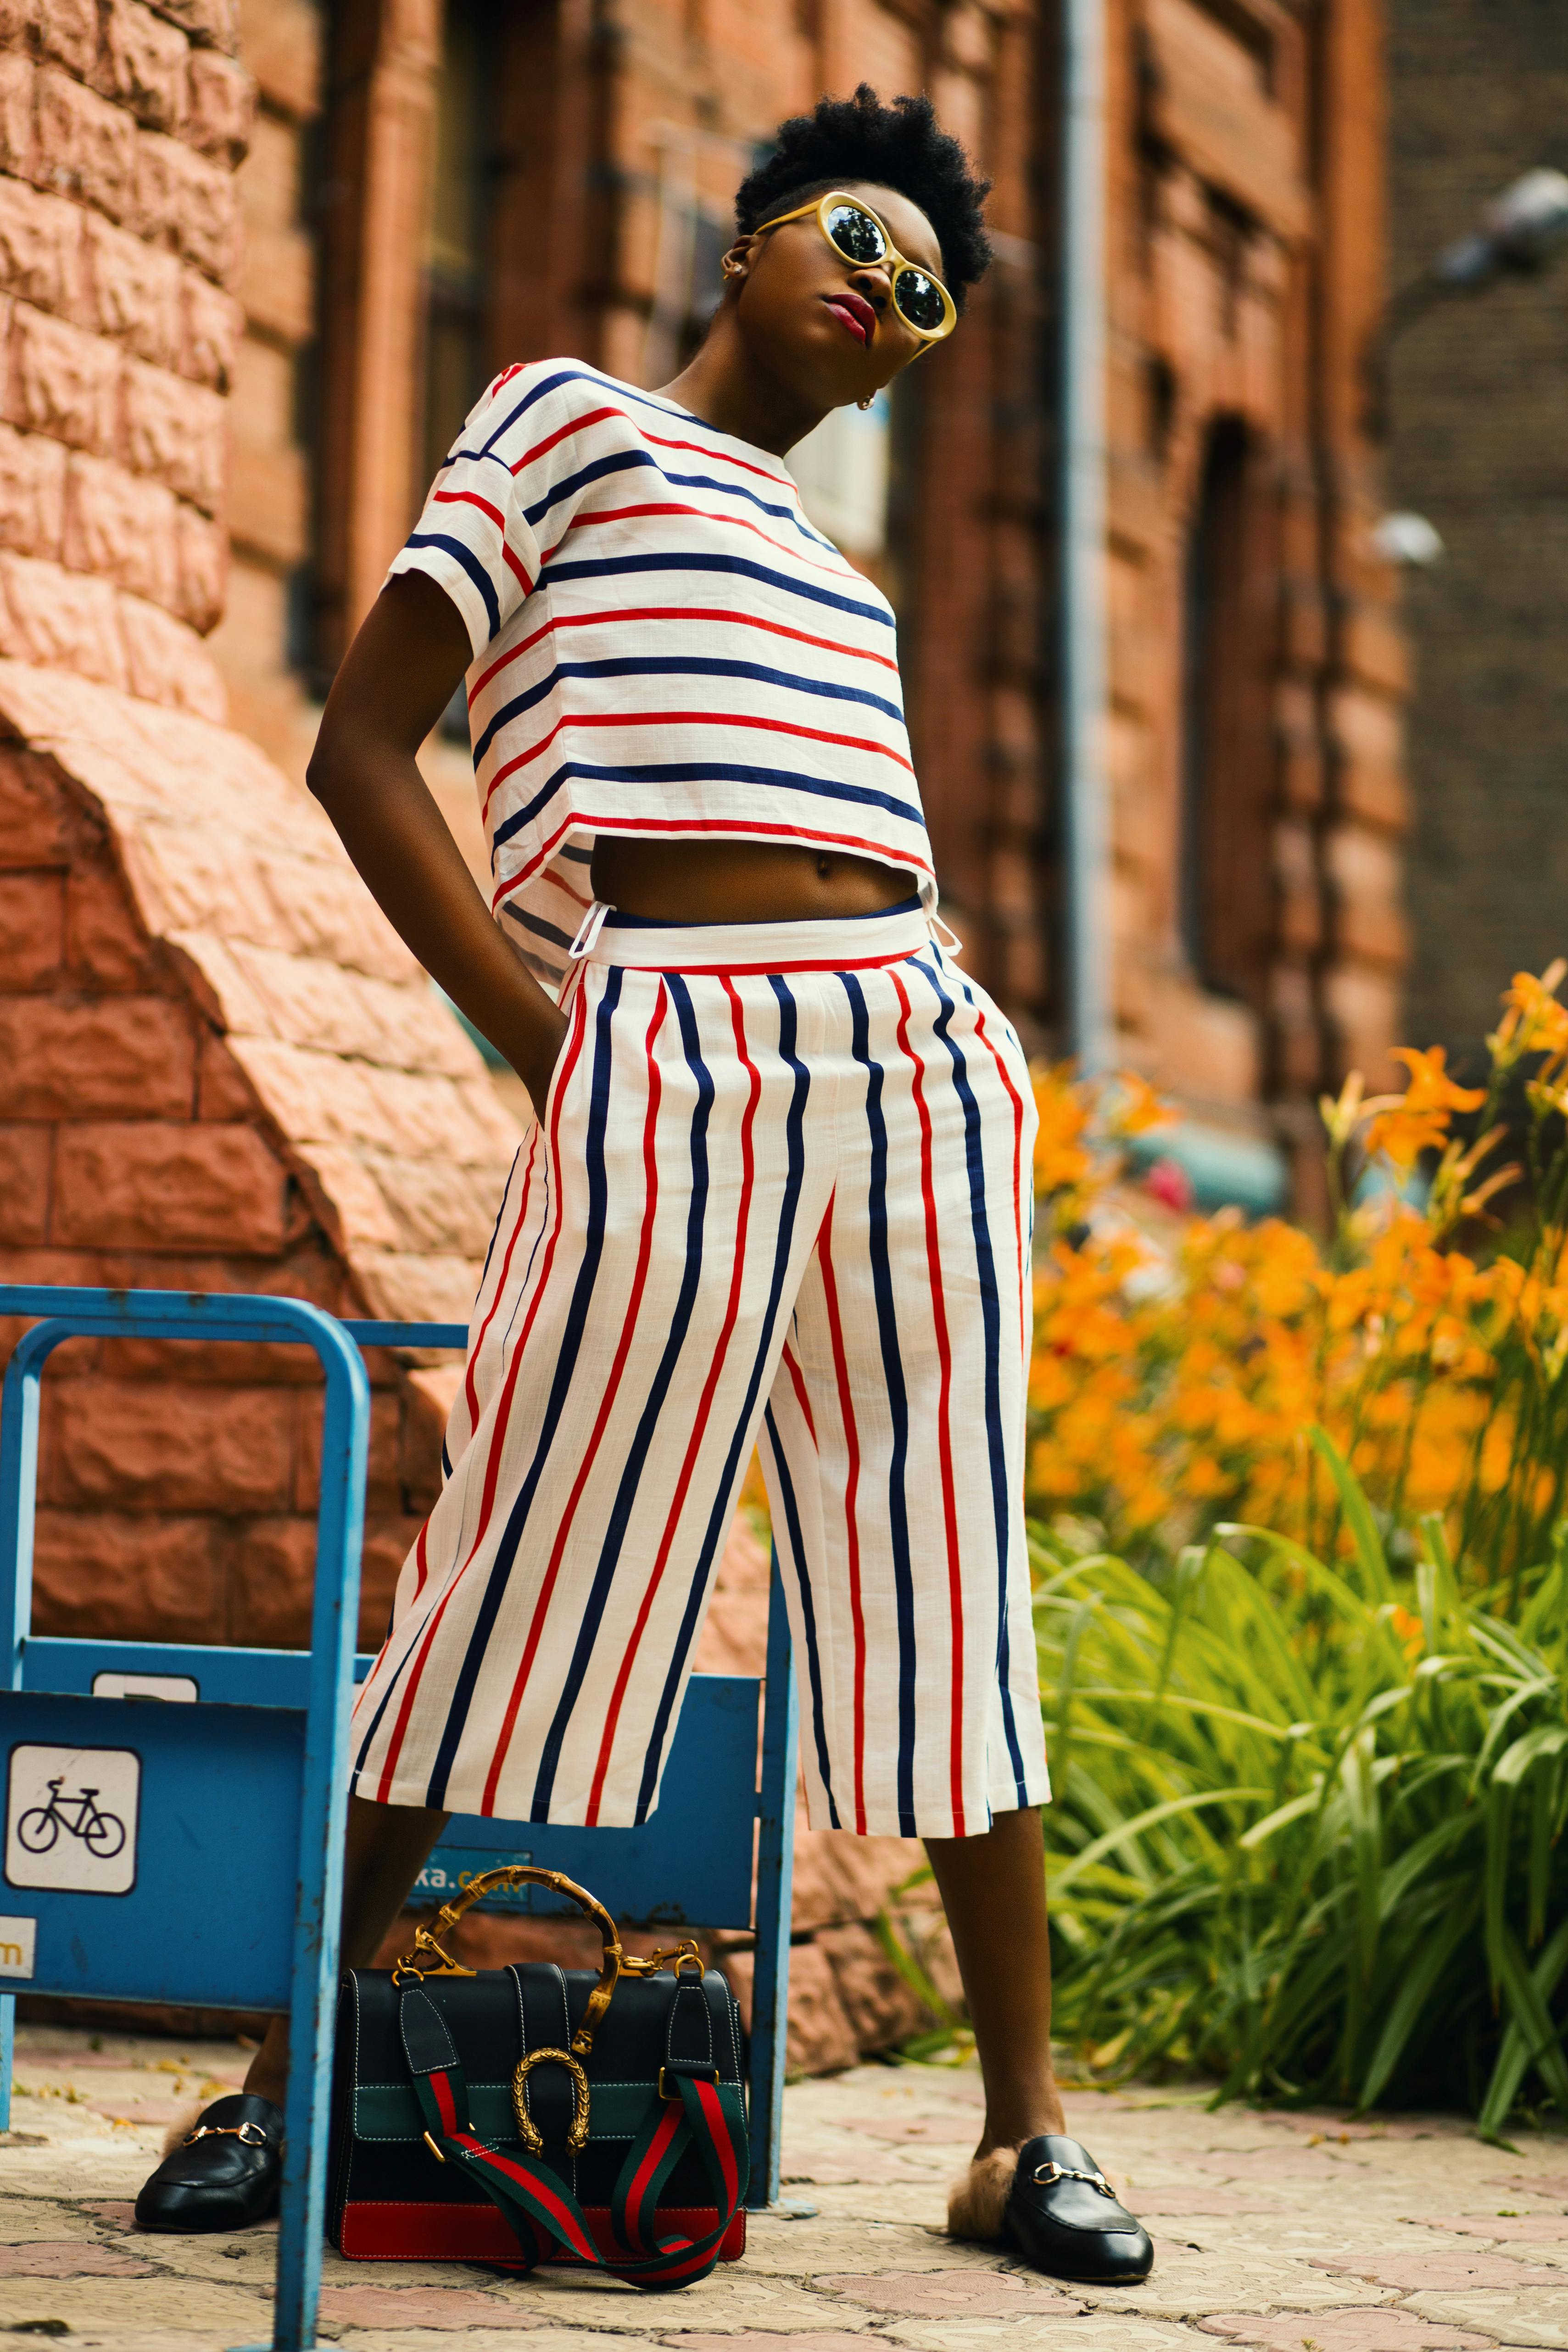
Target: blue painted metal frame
column 720, row 1733
column 312, row 1984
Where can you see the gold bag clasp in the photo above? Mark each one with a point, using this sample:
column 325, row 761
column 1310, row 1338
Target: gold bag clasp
column 527, row 2130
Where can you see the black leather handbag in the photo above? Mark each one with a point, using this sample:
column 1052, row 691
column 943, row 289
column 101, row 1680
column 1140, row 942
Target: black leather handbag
column 535, row 2114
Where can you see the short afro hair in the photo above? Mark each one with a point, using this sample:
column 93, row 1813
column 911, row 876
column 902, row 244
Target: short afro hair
column 898, row 146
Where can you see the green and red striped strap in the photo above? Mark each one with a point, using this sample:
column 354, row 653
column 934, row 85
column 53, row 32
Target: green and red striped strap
column 540, row 2207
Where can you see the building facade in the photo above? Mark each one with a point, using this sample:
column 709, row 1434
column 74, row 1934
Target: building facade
column 1479, row 95
column 438, row 187
column 255, row 260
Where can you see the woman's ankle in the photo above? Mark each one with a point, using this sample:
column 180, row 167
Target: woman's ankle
column 267, row 2076
column 1013, row 2120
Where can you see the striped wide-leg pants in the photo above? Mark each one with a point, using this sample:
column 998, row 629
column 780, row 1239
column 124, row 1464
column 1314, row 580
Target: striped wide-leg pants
column 780, row 1197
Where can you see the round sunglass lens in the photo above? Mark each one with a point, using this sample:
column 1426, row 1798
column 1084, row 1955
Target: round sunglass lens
column 855, row 233
column 920, row 300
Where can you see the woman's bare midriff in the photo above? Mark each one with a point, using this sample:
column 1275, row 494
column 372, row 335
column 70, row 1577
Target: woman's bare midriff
column 740, row 881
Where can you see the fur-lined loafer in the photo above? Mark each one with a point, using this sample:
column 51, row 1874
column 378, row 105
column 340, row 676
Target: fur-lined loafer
column 224, row 2174
column 1064, row 2218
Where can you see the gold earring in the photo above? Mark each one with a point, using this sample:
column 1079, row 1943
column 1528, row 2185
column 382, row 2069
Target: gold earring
column 732, row 268
column 867, row 401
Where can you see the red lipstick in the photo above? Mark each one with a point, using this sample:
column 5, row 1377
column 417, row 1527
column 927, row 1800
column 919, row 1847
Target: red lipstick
column 855, row 312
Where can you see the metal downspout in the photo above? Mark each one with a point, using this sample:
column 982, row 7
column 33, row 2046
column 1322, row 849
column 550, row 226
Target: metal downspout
column 1081, row 507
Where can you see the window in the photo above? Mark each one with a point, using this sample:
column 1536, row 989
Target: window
column 1227, row 780
column 458, row 353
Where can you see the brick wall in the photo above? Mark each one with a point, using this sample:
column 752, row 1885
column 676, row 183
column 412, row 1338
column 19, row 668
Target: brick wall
column 1478, row 93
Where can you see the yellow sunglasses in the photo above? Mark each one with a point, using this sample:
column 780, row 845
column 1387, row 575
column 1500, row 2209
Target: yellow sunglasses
column 856, row 235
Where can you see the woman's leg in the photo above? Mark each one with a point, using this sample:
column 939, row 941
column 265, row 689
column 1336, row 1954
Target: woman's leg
column 384, row 1852
column 993, row 1891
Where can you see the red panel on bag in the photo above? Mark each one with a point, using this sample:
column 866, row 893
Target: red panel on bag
column 478, row 2233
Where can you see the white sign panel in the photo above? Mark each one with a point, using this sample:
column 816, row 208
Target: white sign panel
column 180, row 1687
column 72, row 1818
column 18, row 1938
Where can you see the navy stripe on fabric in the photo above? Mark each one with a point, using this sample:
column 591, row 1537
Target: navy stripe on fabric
column 661, row 1389
column 621, row 461
column 470, row 457
column 797, row 1544
column 738, row 567
column 699, row 771
column 617, row 391
column 678, row 666
column 470, row 565
column 597, row 470
column 795, row 1174
column 990, row 1311
column 566, row 1363
column 898, row 1395
column 540, row 929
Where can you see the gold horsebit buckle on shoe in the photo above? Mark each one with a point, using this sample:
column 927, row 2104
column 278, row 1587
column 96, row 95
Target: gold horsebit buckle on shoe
column 252, row 2133
column 1047, row 2175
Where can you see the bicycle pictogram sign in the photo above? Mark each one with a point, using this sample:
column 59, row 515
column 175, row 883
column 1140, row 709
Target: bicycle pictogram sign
column 101, row 1834
column 72, row 1818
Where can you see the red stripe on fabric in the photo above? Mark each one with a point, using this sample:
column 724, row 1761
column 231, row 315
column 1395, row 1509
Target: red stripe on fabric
column 597, row 415
column 441, row 2091
column 782, row 547
column 554, row 879
column 1016, row 1101
column 606, row 1405
column 685, row 719
column 684, row 614
column 944, row 1422
column 421, row 1561
column 564, row 433
column 498, row 1435
column 469, row 1389
column 668, row 2124
column 712, row 2112
column 699, row 1423
column 514, row 653
column 584, row 821
column 781, row 481
column 578, row 2239
column 798, row 1381
column 471, row 499
column 851, row 1530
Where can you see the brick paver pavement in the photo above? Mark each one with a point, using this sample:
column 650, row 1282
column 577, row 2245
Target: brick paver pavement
column 1285, row 2234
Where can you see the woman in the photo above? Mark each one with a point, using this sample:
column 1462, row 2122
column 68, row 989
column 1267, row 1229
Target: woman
column 775, row 1190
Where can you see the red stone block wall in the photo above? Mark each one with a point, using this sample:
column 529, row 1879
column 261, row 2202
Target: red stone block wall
column 178, row 1485
column 120, row 129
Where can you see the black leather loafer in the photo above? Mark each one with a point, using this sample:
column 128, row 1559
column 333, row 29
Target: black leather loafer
column 1063, row 2217
column 224, row 2175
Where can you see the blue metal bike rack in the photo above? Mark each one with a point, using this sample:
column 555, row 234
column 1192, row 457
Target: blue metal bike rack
column 148, row 1910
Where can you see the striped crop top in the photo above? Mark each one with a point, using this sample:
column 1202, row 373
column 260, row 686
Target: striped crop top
column 662, row 644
